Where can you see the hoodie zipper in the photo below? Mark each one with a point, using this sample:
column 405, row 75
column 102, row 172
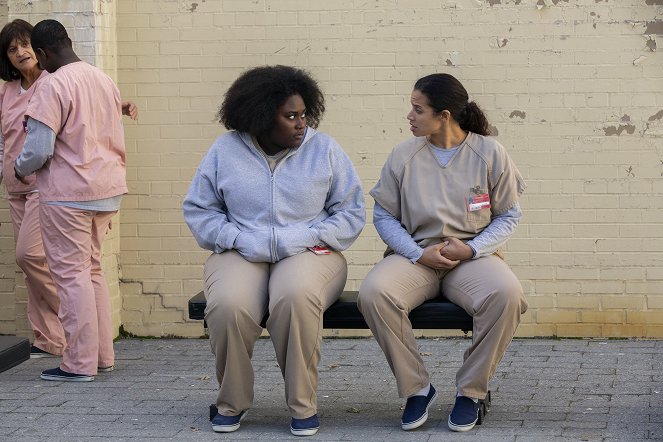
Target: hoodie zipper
column 274, row 242
column 273, row 253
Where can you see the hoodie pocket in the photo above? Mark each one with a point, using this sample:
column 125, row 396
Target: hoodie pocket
column 254, row 246
column 294, row 240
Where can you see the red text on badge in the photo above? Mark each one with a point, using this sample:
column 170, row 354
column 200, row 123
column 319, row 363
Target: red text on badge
column 478, row 202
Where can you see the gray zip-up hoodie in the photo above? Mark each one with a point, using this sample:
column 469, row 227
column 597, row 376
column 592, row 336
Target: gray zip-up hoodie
column 313, row 197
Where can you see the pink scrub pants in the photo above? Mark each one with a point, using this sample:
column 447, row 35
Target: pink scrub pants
column 43, row 301
column 72, row 241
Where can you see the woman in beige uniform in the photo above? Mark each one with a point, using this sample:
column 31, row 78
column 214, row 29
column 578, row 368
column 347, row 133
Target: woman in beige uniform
column 446, row 201
column 275, row 202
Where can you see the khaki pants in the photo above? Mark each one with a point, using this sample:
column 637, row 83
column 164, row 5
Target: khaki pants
column 72, row 242
column 485, row 288
column 295, row 291
column 43, row 300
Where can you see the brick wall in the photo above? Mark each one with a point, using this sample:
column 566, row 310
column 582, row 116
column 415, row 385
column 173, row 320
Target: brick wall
column 572, row 87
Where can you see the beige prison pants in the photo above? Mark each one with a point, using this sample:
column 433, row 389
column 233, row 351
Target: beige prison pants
column 295, row 291
column 485, row 288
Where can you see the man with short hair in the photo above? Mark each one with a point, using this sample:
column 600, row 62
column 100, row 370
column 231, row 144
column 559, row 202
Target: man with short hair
column 75, row 143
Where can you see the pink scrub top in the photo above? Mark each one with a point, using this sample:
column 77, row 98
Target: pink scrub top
column 13, row 104
column 82, row 105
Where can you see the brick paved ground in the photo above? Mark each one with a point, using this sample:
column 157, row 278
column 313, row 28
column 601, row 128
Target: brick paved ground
column 544, row 390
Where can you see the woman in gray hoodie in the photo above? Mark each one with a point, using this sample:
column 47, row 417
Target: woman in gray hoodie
column 275, row 201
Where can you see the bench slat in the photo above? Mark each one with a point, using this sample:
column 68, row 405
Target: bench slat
column 438, row 313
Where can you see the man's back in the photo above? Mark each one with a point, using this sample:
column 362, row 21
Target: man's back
column 82, row 106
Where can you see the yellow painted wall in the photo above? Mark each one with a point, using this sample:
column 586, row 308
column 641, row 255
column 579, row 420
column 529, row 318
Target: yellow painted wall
column 573, row 88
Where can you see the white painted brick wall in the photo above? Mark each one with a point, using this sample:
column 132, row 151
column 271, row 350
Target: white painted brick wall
column 573, row 87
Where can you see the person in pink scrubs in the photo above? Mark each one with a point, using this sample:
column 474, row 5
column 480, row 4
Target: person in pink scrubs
column 20, row 71
column 75, row 144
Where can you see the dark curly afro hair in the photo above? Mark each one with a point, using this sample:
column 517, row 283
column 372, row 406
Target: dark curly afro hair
column 251, row 102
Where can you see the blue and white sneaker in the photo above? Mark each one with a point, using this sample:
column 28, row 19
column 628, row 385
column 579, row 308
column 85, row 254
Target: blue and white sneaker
column 305, row 427
column 36, row 352
column 56, row 374
column 464, row 415
column 227, row 424
column 416, row 410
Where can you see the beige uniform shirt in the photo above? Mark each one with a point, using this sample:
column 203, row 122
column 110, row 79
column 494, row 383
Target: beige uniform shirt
column 458, row 199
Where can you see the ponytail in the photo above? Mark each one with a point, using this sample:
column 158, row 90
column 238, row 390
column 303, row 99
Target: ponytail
column 445, row 92
column 474, row 120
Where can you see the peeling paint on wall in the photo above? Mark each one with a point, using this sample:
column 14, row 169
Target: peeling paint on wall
column 657, row 116
column 625, row 118
column 651, row 44
column 193, row 7
column 492, row 130
column 501, row 42
column 494, row 2
column 653, row 2
column 639, row 60
column 21, row 6
column 654, row 27
column 517, row 113
column 613, row 130
column 454, row 59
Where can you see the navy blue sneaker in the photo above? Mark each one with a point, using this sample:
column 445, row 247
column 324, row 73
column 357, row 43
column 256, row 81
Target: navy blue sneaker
column 227, row 424
column 305, row 427
column 464, row 415
column 416, row 410
column 36, row 352
column 56, row 374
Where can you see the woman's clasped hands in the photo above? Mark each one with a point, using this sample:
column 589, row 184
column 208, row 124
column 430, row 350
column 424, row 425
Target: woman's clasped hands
column 446, row 255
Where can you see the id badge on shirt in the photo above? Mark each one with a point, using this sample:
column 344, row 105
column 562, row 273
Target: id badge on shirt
column 477, row 201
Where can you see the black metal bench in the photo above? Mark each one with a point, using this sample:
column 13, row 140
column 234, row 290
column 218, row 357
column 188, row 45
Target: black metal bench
column 438, row 313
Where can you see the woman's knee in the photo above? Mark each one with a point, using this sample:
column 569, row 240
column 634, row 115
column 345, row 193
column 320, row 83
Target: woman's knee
column 372, row 293
column 295, row 298
column 297, row 292
column 26, row 259
column 225, row 307
column 509, row 297
column 21, row 258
